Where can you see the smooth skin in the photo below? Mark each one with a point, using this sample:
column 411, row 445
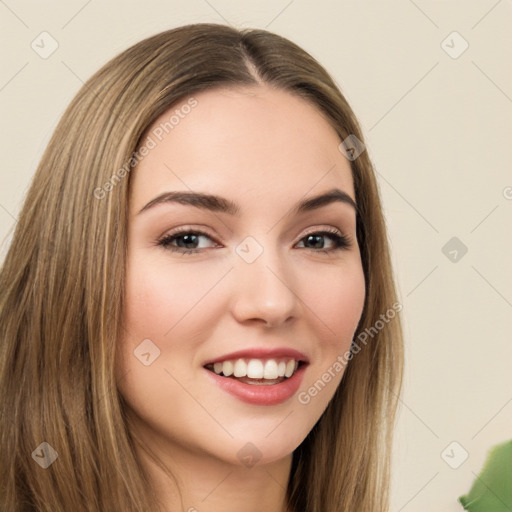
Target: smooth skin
column 266, row 150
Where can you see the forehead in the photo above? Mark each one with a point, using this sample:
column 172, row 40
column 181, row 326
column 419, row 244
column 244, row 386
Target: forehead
column 252, row 140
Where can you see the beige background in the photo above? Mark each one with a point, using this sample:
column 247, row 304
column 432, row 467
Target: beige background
column 440, row 134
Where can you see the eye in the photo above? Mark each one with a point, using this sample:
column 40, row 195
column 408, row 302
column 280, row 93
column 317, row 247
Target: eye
column 186, row 241
column 339, row 241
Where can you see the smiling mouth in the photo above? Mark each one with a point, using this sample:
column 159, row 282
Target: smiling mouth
column 259, row 372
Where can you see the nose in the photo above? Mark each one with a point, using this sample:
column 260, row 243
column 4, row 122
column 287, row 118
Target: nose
column 264, row 290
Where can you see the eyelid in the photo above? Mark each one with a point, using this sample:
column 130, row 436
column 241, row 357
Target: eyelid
column 202, row 230
column 199, row 229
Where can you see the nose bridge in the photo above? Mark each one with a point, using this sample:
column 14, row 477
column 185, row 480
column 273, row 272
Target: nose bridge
column 263, row 283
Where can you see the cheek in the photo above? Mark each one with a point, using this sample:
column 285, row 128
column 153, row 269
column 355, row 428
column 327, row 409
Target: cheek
column 162, row 304
column 349, row 296
column 159, row 295
column 338, row 301
column 171, row 306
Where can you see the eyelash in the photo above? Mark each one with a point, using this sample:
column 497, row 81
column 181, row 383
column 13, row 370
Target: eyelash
column 340, row 241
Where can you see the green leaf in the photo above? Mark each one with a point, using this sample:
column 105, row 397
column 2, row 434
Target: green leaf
column 492, row 488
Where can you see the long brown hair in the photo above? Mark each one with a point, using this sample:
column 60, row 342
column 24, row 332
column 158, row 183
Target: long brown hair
column 62, row 289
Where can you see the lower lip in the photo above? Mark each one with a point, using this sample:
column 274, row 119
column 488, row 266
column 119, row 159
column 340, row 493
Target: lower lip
column 261, row 394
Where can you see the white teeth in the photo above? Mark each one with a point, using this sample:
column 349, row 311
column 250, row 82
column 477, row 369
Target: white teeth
column 290, row 368
column 270, row 369
column 240, row 369
column 227, row 368
column 255, row 369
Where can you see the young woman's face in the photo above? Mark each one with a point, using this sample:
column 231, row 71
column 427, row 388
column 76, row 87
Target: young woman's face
column 239, row 276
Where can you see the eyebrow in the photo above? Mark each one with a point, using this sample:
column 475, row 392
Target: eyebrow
column 221, row 204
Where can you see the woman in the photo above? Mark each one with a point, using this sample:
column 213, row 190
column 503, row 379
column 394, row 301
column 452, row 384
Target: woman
column 198, row 309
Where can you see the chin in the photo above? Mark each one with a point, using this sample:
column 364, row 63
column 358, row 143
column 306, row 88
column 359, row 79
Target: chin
column 262, row 449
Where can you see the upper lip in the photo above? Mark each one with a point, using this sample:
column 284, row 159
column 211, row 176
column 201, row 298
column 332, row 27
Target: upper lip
column 261, row 353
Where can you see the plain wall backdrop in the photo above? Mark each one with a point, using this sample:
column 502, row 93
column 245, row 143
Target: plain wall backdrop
column 431, row 84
